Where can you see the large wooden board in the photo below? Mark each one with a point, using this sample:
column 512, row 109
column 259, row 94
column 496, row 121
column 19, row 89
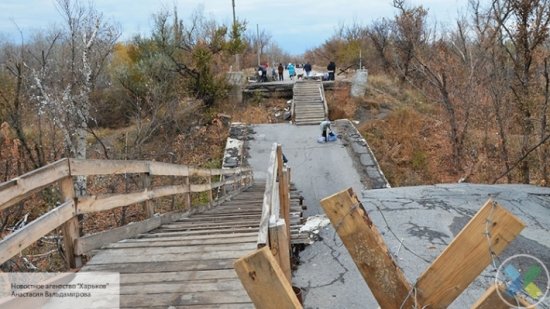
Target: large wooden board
column 264, row 281
column 467, row 255
column 368, row 250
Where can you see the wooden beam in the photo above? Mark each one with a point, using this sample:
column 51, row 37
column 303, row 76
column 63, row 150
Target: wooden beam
column 70, row 228
column 279, row 245
column 492, row 299
column 210, row 194
column 187, row 195
column 22, row 238
column 110, row 167
column 284, row 199
column 268, row 197
column 148, row 207
column 17, row 189
column 90, row 242
column 368, row 250
column 265, row 282
column 94, row 203
column 80, row 167
column 467, row 255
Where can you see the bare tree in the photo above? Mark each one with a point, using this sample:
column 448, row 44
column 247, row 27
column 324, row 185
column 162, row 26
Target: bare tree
column 409, row 34
column 65, row 74
column 522, row 31
column 380, row 34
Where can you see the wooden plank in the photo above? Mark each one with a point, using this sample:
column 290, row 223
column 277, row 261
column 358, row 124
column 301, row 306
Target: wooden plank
column 17, row 189
column 164, row 250
column 181, row 234
column 145, row 237
column 178, row 276
column 149, row 267
column 182, row 287
column 205, row 232
column 22, row 238
column 468, row 254
column 368, row 250
column 183, row 225
column 217, row 226
column 265, row 282
column 94, row 241
column 80, row 167
column 179, row 243
column 492, row 300
column 71, row 227
column 268, row 196
column 279, row 245
column 101, row 258
column 94, row 203
column 198, row 298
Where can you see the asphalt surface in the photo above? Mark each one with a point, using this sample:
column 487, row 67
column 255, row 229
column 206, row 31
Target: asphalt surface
column 424, row 218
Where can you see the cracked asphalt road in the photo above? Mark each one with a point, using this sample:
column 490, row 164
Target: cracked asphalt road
column 425, row 218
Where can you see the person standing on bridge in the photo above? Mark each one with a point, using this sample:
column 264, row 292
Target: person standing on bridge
column 281, row 70
column 331, row 68
column 291, row 70
column 307, row 69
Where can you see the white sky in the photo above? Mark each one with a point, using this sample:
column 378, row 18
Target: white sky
column 296, row 25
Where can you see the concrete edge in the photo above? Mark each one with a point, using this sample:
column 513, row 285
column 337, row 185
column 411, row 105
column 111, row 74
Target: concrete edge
column 363, row 143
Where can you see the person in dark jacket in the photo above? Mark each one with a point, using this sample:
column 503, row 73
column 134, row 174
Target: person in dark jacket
column 307, row 69
column 280, row 70
column 331, row 67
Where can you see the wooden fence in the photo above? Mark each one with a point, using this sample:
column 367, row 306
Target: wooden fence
column 62, row 173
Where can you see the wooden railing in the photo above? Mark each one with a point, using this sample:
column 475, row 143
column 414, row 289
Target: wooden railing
column 65, row 215
column 275, row 221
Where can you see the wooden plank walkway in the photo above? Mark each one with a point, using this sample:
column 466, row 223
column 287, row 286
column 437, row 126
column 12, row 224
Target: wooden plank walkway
column 189, row 263
column 309, row 102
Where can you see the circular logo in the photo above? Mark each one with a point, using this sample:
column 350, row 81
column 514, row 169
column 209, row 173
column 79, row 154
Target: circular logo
column 525, row 275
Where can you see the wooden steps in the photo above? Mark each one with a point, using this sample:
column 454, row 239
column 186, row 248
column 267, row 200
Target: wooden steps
column 309, row 104
column 188, row 263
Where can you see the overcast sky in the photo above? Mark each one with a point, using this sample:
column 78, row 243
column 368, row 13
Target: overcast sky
column 296, row 25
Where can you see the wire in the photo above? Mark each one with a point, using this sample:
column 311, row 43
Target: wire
column 397, row 238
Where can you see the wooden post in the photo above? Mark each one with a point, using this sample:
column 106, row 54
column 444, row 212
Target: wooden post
column 284, row 198
column 265, row 282
column 368, row 250
column 467, row 255
column 187, row 195
column 491, row 299
column 279, row 245
column 210, row 197
column 148, row 207
column 70, row 228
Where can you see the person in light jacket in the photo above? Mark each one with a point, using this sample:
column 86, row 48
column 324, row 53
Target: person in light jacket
column 291, row 70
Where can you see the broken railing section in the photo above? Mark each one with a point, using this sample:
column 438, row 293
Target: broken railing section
column 472, row 250
column 266, row 273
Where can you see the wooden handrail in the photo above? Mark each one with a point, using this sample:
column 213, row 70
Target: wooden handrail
column 27, row 235
column 17, row 189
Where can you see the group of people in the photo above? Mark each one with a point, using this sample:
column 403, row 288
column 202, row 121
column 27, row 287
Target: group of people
column 278, row 73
